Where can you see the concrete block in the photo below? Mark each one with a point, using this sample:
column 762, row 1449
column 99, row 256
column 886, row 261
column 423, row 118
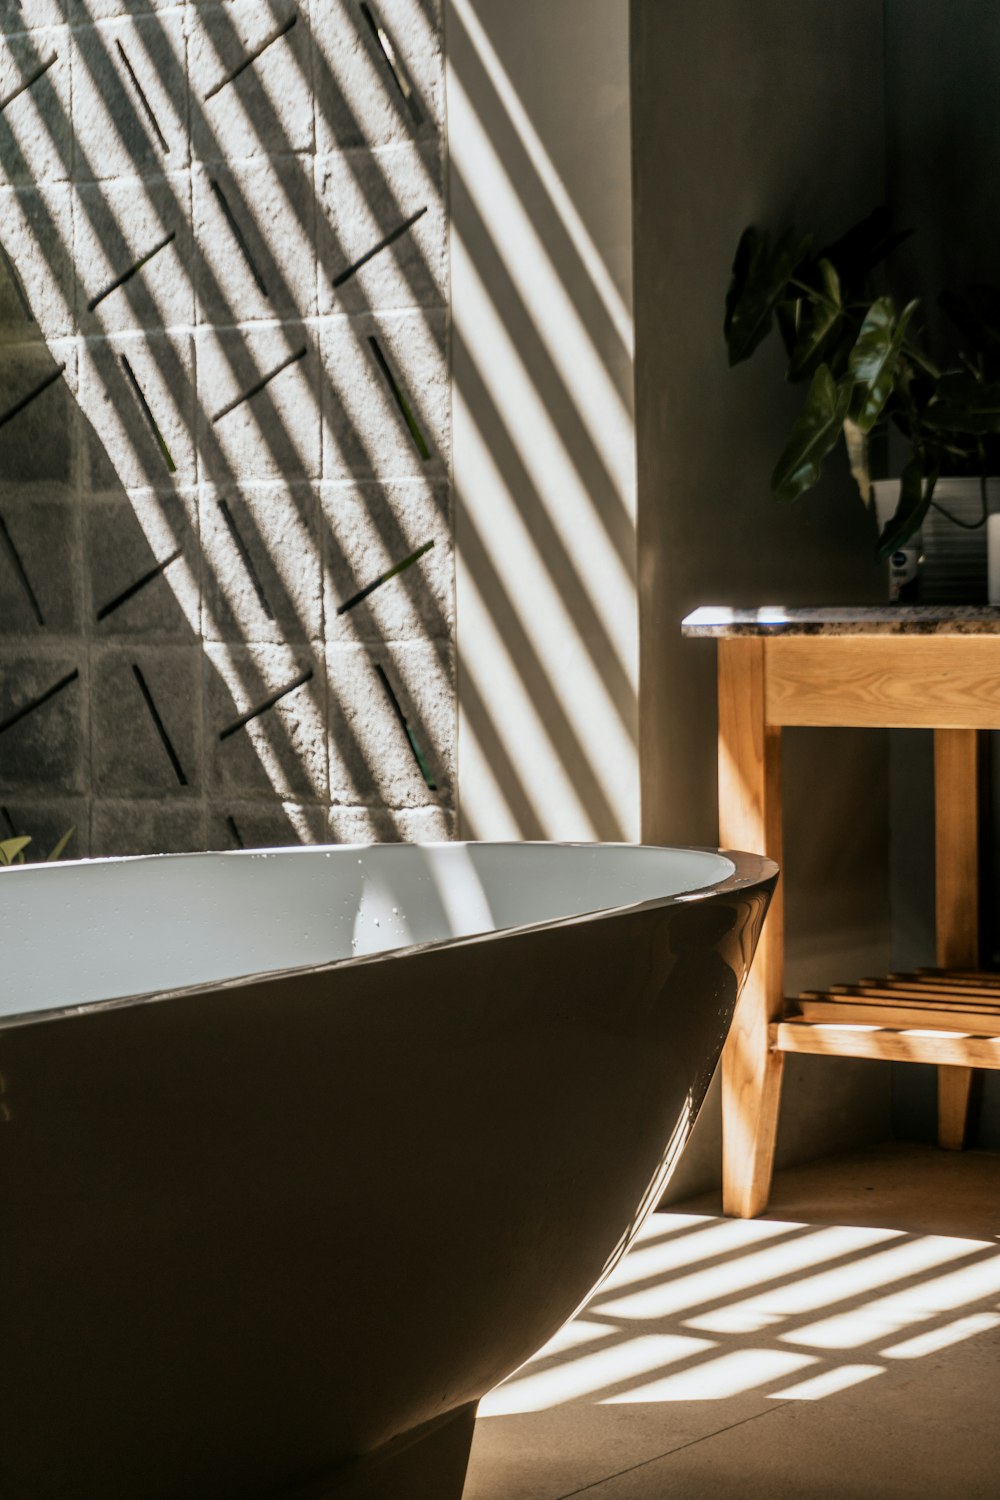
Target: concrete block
column 268, row 270
column 43, row 721
column 36, row 133
column 263, row 577
column 273, row 435
column 46, row 820
column 397, row 825
column 357, row 101
column 368, row 528
column 371, row 759
column 30, row 15
column 282, row 750
column 133, row 755
column 364, row 196
column 364, row 430
column 114, row 135
column 265, row 825
column 127, row 451
column 126, row 538
column 39, row 444
column 267, row 109
column 40, row 564
column 118, row 224
column 171, row 827
column 36, row 229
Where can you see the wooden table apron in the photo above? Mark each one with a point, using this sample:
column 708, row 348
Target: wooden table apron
column 948, row 683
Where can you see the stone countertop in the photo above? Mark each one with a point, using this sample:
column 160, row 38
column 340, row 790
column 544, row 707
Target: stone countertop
column 715, row 621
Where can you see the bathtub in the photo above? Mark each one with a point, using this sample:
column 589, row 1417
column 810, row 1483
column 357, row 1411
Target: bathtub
column 303, row 1151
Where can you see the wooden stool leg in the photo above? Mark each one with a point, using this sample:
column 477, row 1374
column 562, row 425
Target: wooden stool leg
column 957, row 762
column 954, row 1091
column 750, row 818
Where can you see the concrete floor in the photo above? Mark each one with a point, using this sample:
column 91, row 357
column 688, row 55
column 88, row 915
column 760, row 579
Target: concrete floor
column 847, row 1345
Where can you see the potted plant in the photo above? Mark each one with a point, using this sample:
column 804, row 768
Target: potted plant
column 868, row 370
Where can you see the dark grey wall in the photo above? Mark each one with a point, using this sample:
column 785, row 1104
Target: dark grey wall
column 943, row 133
column 769, row 113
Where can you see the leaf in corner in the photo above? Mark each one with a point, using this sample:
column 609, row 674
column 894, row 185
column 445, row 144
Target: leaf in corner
column 758, row 280
column 812, row 437
column 874, row 359
column 820, row 325
column 57, row 851
column 915, row 495
column 12, row 850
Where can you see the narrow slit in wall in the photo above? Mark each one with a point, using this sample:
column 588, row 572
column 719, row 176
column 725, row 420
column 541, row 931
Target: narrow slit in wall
column 376, row 249
column 393, row 61
column 132, row 271
column 21, row 572
column 36, row 703
column 143, row 100
column 159, row 725
column 252, row 57
column 140, row 583
column 262, row 708
column 259, row 385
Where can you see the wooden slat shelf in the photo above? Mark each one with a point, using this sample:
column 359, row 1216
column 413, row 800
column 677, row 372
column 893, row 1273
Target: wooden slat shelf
column 931, row 1015
column 948, row 1048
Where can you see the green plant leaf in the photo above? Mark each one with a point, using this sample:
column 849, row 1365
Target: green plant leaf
column 759, row 280
column 812, row 437
column 819, row 326
column 962, row 404
column 874, row 360
column 916, row 491
column 58, row 850
column 12, row 850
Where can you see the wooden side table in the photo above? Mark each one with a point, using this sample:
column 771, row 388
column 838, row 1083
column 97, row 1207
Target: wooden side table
column 893, row 667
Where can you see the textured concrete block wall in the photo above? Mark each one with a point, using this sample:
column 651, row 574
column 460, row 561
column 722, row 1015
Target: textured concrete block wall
column 224, row 411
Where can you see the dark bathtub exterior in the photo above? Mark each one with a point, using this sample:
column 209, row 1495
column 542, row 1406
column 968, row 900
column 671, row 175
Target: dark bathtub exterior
column 252, row 1233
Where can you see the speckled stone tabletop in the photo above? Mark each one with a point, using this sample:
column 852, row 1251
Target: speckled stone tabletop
column 715, row 621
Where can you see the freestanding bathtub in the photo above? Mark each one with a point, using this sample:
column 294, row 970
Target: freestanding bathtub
column 303, row 1151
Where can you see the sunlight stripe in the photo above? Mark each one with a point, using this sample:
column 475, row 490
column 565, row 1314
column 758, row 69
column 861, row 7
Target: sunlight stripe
column 713, row 1283
column 714, row 1239
column 594, row 1372
column 717, row 1379
column 576, row 230
column 541, row 448
column 941, row 1338
column 828, row 1383
column 543, row 780
column 581, row 368
column 857, row 1278
column 889, row 1315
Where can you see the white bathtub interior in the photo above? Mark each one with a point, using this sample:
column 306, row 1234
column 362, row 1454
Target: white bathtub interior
column 96, row 930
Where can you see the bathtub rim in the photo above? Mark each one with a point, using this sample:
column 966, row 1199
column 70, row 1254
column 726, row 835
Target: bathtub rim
column 750, row 872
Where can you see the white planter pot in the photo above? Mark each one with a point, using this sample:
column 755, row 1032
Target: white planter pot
column 948, row 564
